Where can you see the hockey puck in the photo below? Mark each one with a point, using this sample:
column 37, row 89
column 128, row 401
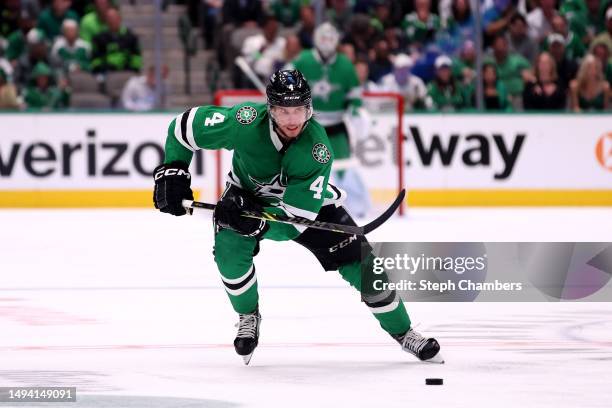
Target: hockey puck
column 434, row 381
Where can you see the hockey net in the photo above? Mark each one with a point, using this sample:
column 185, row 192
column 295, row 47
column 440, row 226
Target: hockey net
column 378, row 151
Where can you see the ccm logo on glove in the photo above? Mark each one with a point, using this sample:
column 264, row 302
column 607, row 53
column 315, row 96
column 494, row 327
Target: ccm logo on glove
column 171, row 172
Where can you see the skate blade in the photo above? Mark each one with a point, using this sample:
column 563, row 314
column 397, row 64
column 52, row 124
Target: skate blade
column 247, row 358
column 437, row 359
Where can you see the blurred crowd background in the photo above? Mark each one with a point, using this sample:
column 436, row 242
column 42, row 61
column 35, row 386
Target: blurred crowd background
column 447, row 55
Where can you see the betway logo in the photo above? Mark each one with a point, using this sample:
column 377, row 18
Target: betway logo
column 474, row 150
column 90, row 158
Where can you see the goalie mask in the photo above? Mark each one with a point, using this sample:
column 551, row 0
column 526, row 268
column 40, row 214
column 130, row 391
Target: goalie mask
column 326, row 39
column 289, row 99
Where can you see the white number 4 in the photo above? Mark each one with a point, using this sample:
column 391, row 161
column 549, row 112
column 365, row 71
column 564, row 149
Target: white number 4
column 216, row 118
column 317, row 186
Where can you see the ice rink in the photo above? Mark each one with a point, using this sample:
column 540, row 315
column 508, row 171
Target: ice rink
column 127, row 306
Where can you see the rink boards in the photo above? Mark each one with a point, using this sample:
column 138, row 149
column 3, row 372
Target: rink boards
column 105, row 159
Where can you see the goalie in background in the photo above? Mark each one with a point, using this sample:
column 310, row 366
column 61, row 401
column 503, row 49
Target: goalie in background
column 337, row 101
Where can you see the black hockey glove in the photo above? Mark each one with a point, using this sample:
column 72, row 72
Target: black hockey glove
column 172, row 186
column 227, row 214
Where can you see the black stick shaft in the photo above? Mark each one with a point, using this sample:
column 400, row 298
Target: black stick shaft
column 322, row 225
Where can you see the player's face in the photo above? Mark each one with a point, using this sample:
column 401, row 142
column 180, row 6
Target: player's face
column 290, row 120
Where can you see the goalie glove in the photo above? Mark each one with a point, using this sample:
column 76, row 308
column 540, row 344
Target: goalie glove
column 172, row 186
column 228, row 210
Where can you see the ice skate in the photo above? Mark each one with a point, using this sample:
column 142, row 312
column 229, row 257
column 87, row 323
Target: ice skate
column 248, row 335
column 423, row 348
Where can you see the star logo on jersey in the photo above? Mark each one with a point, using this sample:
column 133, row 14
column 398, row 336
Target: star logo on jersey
column 320, row 153
column 273, row 189
column 323, row 88
column 246, row 115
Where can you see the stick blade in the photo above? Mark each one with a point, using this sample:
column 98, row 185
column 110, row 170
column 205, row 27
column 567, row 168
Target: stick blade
column 386, row 215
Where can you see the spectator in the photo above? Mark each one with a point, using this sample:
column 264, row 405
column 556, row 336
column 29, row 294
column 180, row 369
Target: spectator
column 381, row 19
column 8, row 93
column 238, row 16
column 518, row 40
column 363, row 72
column 36, row 51
column 264, row 52
column 139, row 91
column 348, row 50
column 292, row 48
column 574, row 48
column 444, row 94
column 339, row 14
column 380, row 64
column 460, row 24
column 586, row 18
column 566, row 67
column 463, row 68
column 595, row 21
column 606, row 36
column 17, row 42
column 496, row 18
column 117, row 48
column 42, row 94
column 512, row 69
column 421, row 25
column 602, row 53
column 7, row 68
column 70, row 53
column 589, row 91
column 362, row 36
column 287, row 12
column 545, row 93
column 540, row 20
column 51, row 18
column 399, row 9
column 392, row 36
column 210, row 20
column 403, row 82
column 307, row 27
column 94, row 22
column 494, row 92
column 575, row 13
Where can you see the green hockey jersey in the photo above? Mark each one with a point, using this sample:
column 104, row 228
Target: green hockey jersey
column 289, row 177
column 334, row 85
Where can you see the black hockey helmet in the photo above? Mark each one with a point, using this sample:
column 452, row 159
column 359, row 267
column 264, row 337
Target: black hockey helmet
column 288, row 88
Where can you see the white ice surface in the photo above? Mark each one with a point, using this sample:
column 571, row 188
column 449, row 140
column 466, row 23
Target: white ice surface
column 127, row 306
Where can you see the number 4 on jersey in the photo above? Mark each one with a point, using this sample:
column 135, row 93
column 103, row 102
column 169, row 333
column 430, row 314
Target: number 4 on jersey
column 216, row 118
column 317, row 186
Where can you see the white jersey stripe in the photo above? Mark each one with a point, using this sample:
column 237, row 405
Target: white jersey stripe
column 190, row 137
column 177, row 132
column 238, row 279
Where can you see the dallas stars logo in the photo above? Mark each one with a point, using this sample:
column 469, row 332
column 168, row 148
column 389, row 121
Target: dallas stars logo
column 246, row 115
column 320, row 153
column 323, row 88
column 274, row 189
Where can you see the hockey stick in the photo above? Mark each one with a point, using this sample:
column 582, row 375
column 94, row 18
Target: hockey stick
column 322, row 225
column 246, row 69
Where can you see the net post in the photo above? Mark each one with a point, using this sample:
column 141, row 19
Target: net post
column 399, row 110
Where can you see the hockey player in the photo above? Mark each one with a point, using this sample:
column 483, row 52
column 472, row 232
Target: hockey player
column 337, row 99
column 281, row 161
